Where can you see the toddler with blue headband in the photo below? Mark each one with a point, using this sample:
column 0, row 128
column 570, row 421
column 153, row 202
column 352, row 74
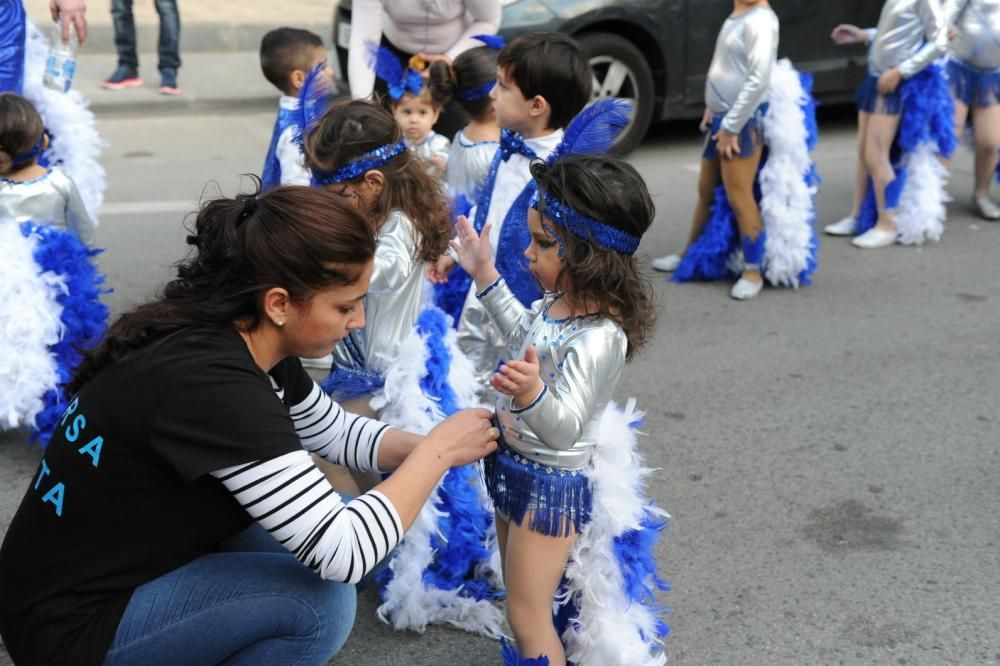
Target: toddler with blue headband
column 567, row 354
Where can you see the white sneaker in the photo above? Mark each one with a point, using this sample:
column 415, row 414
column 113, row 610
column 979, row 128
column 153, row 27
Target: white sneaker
column 874, row 238
column 745, row 289
column 667, row 264
column 988, row 209
column 845, row 227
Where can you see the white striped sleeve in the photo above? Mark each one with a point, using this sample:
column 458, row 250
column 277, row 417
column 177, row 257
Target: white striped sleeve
column 291, row 499
column 330, row 432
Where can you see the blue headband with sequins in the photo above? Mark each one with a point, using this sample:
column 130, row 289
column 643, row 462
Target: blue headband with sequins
column 478, row 92
column 373, row 160
column 586, row 228
column 30, row 155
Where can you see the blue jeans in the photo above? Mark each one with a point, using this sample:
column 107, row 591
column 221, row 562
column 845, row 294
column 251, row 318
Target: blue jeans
column 170, row 34
column 253, row 604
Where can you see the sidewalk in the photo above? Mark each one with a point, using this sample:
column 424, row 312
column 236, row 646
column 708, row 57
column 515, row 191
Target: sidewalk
column 220, row 39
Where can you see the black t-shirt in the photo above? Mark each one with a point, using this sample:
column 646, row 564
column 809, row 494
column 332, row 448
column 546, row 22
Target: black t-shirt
column 123, row 495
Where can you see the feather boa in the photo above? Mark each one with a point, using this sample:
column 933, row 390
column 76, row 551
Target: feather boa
column 611, row 578
column 76, row 145
column 926, row 132
column 786, row 187
column 438, row 574
column 52, row 292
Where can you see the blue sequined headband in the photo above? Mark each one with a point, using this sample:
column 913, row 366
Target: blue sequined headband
column 373, row 160
column 30, row 155
column 478, row 92
column 586, row 228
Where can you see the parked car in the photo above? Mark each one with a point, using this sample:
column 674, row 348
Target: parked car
column 656, row 52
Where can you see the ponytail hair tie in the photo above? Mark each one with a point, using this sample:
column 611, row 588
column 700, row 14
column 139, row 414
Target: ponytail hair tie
column 249, row 208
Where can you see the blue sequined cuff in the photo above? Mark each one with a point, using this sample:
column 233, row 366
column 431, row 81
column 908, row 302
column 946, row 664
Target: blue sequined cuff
column 521, row 410
column 496, row 283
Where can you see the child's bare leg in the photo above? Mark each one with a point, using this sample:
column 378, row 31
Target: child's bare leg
column 708, row 179
column 861, row 175
column 533, row 570
column 503, row 527
column 880, row 136
column 738, row 175
column 986, row 123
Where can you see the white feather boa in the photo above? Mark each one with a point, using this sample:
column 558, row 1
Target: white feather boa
column 786, row 203
column 609, row 626
column 75, row 142
column 29, row 324
column 921, row 213
column 408, row 602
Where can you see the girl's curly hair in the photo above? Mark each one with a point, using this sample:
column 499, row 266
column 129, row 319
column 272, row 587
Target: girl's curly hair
column 612, row 191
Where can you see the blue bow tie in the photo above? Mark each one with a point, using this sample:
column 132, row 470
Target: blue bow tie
column 510, row 143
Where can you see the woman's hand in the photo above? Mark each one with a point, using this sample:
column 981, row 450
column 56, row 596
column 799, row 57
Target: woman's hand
column 474, row 252
column 727, row 144
column 846, row 33
column 889, row 81
column 706, row 120
column 519, row 379
column 464, row 437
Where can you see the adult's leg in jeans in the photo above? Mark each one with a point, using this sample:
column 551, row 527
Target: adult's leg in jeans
column 879, row 137
column 708, row 179
column 168, row 47
column 986, row 124
column 121, row 15
column 236, row 608
column 738, row 175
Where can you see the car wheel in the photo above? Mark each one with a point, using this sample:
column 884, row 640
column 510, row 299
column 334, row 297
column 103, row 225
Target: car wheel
column 620, row 70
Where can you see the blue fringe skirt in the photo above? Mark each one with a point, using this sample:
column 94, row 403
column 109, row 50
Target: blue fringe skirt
column 971, row 86
column 751, row 136
column 558, row 499
column 871, row 101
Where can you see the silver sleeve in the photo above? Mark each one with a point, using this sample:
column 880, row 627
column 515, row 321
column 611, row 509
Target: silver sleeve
column 761, row 37
column 440, row 147
column 395, row 254
column 561, row 411
column 935, row 35
column 511, row 318
column 77, row 217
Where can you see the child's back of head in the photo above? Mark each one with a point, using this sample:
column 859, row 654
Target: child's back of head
column 284, row 51
column 21, row 133
column 553, row 66
column 467, row 80
column 600, row 208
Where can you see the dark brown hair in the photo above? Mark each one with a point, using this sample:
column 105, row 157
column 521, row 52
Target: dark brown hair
column 553, row 66
column 298, row 238
column 283, row 50
column 20, row 129
column 474, row 68
column 351, row 129
column 611, row 191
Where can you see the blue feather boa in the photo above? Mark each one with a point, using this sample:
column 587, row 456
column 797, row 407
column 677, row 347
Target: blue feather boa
column 928, row 115
column 511, row 657
column 84, row 317
column 635, row 551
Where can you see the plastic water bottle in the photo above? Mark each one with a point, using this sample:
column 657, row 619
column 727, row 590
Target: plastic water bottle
column 60, row 67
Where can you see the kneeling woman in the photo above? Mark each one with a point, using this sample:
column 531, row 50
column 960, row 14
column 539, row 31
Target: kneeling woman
column 177, row 502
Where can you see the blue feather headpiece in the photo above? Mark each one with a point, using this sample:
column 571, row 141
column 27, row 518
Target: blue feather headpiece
column 372, row 160
column 388, row 68
column 492, row 41
column 593, row 130
column 480, row 91
column 314, row 99
column 585, row 227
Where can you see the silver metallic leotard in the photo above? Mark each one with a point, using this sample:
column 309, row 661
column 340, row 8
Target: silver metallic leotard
column 977, row 27
column 581, row 360
column 911, row 34
column 393, row 300
column 468, row 165
column 50, row 199
column 433, row 145
column 737, row 81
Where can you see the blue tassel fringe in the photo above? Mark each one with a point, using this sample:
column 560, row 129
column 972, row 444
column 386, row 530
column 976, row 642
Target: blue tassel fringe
column 511, row 657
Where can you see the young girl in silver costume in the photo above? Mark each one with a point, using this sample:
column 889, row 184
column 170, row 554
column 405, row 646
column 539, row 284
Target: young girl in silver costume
column 29, row 191
column 357, row 151
column 974, row 76
column 568, row 351
column 735, row 100
column 911, row 34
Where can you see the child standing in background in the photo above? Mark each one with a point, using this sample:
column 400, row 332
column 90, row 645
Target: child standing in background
column 287, row 55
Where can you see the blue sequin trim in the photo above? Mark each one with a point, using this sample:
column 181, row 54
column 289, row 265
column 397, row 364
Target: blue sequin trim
column 521, row 410
column 373, row 160
column 496, row 283
column 586, row 228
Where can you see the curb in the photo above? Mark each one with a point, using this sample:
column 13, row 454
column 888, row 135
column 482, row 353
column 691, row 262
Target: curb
column 199, row 36
column 165, row 106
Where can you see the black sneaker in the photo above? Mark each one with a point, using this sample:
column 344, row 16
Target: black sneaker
column 168, row 82
column 124, row 77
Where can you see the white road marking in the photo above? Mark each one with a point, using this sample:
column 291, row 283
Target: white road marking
column 140, row 207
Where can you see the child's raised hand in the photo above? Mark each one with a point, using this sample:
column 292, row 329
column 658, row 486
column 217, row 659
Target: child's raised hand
column 473, row 249
column 519, row 379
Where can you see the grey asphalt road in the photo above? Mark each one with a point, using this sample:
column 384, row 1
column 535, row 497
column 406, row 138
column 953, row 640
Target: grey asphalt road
column 829, row 455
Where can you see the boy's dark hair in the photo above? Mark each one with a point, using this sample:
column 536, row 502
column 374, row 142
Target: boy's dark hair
column 283, row 50
column 350, row 129
column 611, row 191
column 552, row 65
column 20, row 129
column 472, row 69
